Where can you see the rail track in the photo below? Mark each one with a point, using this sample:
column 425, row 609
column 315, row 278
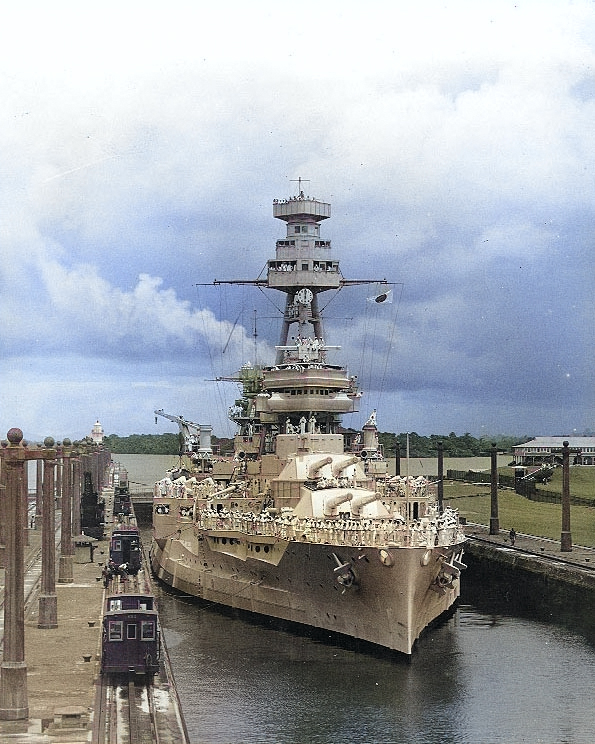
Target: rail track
column 125, row 711
column 534, row 546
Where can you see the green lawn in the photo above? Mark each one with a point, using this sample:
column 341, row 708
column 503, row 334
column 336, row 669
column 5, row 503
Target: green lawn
column 582, row 481
column 530, row 517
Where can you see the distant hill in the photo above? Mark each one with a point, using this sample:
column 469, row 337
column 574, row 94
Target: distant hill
column 419, row 446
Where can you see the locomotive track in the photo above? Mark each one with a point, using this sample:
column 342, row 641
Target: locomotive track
column 581, row 557
column 135, row 708
column 125, row 711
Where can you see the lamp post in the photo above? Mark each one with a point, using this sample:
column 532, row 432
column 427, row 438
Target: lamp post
column 65, row 571
column 38, row 492
column 76, row 491
column 14, row 455
column 494, row 519
column 2, row 514
column 565, row 537
column 48, row 601
column 440, row 476
column 59, row 471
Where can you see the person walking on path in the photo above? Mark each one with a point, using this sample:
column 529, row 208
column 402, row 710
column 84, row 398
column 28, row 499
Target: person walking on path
column 512, row 536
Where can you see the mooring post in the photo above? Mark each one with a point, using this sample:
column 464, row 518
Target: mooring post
column 565, row 537
column 48, row 601
column 440, row 475
column 397, row 457
column 494, row 519
column 65, row 572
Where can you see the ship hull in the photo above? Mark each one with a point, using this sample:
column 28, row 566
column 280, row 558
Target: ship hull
column 392, row 599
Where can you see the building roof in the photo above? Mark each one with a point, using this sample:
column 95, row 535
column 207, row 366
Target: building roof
column 557, row 442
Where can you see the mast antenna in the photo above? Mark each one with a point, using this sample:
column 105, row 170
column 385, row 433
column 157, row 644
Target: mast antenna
column 255, row 336
column 299, row 182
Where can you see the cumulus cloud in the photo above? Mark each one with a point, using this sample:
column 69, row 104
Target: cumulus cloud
column 145, row 145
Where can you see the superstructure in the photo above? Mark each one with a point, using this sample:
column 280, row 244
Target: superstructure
column 305, row 523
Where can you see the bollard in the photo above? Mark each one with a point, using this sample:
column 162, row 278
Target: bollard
column 494, row 519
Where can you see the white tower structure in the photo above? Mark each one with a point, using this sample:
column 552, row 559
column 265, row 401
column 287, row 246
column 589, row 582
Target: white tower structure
column 97, row 433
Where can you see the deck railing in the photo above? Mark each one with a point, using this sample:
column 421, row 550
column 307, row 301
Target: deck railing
column 367, row 533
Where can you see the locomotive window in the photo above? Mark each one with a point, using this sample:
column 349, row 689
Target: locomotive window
column 116, row 545
column 131, row 631
column 115, row 604
column 147, row 630
column 115, row 630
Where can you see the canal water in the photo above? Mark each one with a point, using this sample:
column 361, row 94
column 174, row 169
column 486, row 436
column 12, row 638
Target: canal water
column 488, row 674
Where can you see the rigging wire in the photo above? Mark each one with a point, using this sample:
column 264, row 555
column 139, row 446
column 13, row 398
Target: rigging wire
column 375, row 325
column 393, row 330
column 281, row 311
column 219, row 398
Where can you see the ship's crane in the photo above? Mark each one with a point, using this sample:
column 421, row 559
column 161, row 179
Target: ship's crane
column 195, row 438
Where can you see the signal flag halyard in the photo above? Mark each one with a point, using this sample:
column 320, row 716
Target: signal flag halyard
column 383, row 297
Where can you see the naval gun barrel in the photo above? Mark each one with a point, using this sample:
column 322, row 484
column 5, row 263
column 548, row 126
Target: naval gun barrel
column 339, row 467
column 359, row 501
column 229, row 489
column 316, row 465
column 331, row 504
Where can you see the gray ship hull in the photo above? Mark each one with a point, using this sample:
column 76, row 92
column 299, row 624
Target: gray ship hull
column 392, row 599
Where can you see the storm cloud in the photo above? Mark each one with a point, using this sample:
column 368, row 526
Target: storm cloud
column 143, row 145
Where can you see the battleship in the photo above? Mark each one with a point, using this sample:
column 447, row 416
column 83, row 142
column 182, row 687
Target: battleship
column 305, row 523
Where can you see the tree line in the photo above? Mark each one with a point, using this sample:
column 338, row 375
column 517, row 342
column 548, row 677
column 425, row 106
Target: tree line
column 453, row 445
column 419, row 446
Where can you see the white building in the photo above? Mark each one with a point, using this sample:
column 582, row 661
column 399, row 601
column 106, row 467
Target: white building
column 549, row 449
column 97, row 433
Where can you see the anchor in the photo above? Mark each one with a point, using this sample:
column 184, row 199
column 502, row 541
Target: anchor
column 449, row 571
column 344, row 574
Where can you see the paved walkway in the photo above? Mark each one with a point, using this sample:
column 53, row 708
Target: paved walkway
column 579, row 555
column 62, row 662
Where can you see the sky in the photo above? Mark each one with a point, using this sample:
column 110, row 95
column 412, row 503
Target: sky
column 143, row 144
